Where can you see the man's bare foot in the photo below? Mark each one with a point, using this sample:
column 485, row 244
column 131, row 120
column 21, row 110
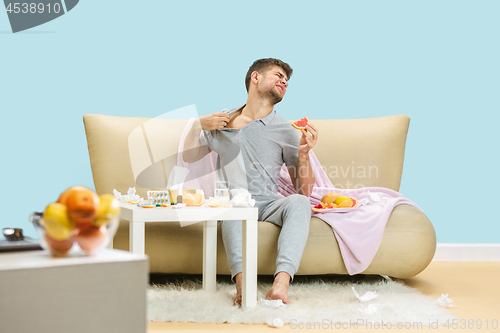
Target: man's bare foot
column 238, row 278
column 279, row 290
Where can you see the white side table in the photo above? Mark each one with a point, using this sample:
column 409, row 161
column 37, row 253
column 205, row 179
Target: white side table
column 106, row 293
column 138, row 216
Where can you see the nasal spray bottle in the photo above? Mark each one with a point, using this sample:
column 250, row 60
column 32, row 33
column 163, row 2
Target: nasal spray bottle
column 179, row 193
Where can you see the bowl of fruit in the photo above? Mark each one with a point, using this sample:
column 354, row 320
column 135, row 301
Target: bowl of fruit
column 80, row 222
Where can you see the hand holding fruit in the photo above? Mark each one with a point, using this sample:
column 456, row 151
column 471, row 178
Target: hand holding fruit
column 309, row 135
column 78, row 215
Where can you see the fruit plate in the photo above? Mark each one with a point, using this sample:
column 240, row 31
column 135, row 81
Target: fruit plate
column 334, row 210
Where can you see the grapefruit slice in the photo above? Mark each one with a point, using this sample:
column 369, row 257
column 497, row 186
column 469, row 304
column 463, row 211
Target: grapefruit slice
column 318, row 207
column 350, row 202
column 354, row 202
column 301, row 124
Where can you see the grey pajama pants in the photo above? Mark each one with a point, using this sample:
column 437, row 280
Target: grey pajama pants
column 292, row 214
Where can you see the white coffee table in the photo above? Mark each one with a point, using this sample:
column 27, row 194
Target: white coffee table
column 138, row 216
column 104, row 293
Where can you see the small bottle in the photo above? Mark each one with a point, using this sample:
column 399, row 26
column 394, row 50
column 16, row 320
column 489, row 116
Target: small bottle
column 179, row 194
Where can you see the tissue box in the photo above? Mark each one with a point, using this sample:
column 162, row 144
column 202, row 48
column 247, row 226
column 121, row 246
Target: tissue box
column 173, row 193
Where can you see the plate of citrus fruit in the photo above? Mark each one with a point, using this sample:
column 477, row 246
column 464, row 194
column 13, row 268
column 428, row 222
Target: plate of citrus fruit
column 334, row 202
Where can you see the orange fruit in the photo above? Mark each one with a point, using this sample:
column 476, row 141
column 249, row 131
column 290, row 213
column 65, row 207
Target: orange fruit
column 63, row 198
column 82, row 205
column 301, row 124
column 330, row 197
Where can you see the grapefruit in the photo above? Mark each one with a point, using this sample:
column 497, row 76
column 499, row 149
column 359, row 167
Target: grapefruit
column 91, row 238
column 350, row 202
column 58, row 247
column 329, row 197
column 196, row 199
column 301, row 124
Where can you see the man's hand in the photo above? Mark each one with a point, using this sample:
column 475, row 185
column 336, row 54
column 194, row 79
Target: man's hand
column 308, row 139
column 214, row 121
column 302, row 175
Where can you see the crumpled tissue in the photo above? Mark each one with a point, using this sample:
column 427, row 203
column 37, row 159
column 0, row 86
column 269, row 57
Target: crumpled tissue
column 241, row 198
column 374, row 197
column 370, row 309
column 444, row 301
column 273, row 303
column 179, row 206
column 368, row 296
column 277, row 322
column 130, row 197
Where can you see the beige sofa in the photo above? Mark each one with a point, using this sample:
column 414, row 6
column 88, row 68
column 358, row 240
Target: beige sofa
column 354, row 153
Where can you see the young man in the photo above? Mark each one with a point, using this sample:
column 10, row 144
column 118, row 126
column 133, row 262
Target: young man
column 252, row 143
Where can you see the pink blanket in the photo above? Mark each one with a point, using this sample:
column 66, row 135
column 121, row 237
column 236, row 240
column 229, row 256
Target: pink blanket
column 358, row 233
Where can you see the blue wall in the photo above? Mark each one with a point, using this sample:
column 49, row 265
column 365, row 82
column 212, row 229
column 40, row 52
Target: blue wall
column 435, row 61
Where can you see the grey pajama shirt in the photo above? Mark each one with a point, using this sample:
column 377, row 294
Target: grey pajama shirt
column 251, row 158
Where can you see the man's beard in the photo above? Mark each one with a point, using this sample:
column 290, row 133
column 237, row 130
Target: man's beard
column 274, row 97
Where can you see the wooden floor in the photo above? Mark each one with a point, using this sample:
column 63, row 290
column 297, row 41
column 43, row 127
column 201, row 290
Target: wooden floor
column 473, row 286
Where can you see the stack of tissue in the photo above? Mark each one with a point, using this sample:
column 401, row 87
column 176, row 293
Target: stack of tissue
column 241, row 198
column 131, row 197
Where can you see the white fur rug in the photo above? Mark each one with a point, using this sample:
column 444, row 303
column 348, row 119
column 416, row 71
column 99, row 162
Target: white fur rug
column 315, row 300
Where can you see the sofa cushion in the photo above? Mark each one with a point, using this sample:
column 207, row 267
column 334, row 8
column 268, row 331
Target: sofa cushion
column 359, row 153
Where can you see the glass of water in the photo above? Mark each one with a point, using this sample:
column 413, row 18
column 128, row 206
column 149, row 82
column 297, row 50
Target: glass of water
column 221, row 191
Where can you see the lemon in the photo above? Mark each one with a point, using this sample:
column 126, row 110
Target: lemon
column 56, row 221
column 109, row 207
column 345, row 204
column 341, row 199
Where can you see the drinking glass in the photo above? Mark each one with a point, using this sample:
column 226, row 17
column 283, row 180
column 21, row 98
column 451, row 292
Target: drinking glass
column 221, row 191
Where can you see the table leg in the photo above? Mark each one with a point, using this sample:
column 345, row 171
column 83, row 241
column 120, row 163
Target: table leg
column 209, row 255
column 249, row 297
column 137, row 234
